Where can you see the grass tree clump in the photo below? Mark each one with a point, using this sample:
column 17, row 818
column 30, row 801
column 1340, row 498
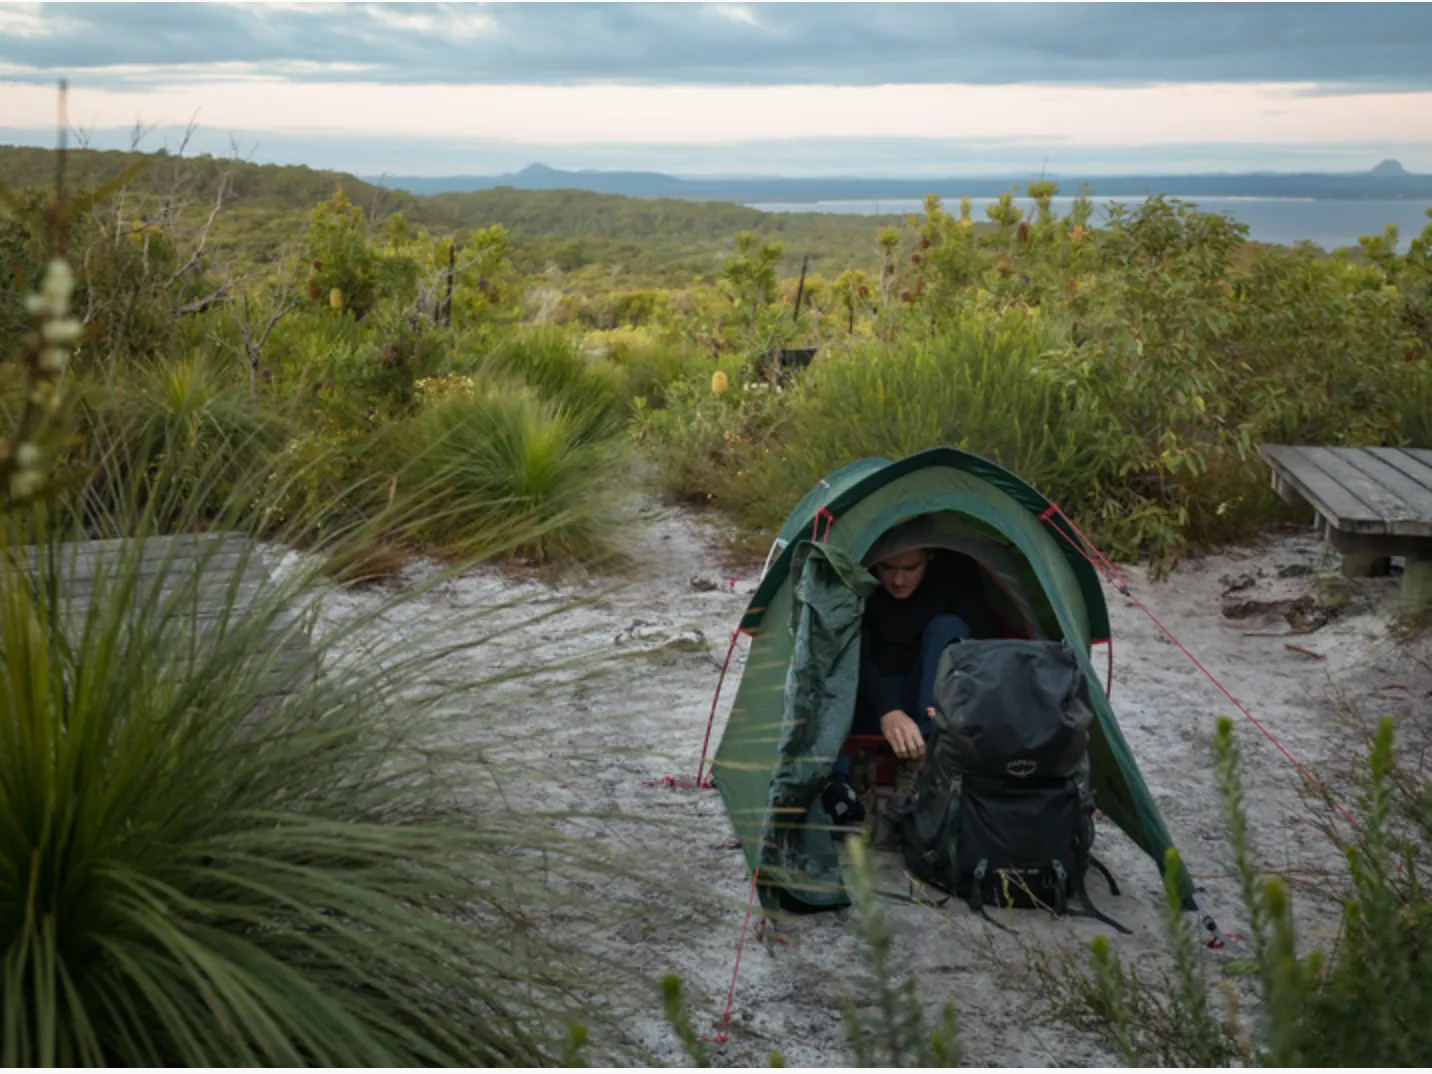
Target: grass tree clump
column 977, row 386
column 227, row 838
column 132, row 428
column 592, row 392
column 483, row 465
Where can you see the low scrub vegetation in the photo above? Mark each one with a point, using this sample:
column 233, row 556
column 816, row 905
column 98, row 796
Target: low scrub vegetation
column 1130, row 372
column 193, row 871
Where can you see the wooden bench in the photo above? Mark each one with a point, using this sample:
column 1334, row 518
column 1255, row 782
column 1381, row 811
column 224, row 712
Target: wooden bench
column 200, row 581
column 1371, row 504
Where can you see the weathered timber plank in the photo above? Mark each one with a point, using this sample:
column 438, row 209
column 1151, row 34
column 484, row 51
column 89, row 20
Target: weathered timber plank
column 204, row 583
column 182, row 545
column 1422, row 455
column 200, row 580
column 1406, row 463
column 1386, row 509
column 83, row 564
column 1373, row 544
column 1324, row 494
column 1414, row 517
column 213, row 609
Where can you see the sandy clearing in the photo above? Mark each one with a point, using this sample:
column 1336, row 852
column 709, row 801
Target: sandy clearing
column 597, row 738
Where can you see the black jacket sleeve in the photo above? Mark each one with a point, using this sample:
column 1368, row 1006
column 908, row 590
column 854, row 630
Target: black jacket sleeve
column 873, row 693
column 965, row 586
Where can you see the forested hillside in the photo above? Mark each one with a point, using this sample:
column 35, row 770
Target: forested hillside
column 573, row 228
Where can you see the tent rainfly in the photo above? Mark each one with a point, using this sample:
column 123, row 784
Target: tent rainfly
column 796, row 699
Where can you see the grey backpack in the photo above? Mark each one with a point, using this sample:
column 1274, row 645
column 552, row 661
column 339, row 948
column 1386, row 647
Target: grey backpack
column 1003, row 811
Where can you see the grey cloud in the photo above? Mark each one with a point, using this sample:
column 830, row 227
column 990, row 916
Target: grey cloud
column 1366, row 46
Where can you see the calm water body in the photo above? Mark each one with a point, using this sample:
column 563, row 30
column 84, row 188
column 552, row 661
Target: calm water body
column 1329, row 224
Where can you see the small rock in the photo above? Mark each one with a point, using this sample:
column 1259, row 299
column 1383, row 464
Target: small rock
column 637, row 630
column 704, row 585
column 1295, row 570
column 1303, row 614
column 1247, row 609
column 688, row 641
column 1236, row 583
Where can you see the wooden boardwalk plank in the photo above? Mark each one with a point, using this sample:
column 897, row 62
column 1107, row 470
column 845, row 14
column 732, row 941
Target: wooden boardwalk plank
column 1398, row 517
column 1373, row 502
column 202, row 583
column 1324, row 494
column 1414, row 494
column 1406, row 463
column 1422, row 455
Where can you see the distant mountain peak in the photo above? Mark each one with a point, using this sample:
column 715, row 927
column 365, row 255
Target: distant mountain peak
column 542, row 169
column 1389, row 168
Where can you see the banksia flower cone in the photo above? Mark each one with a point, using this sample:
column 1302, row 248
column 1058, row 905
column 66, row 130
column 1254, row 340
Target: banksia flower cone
column 718, row 382
column 335, row 299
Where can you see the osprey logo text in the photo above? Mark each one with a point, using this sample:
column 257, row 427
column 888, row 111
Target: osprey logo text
column 1021, row 768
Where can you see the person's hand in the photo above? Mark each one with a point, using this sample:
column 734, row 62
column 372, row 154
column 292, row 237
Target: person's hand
column 902, row 734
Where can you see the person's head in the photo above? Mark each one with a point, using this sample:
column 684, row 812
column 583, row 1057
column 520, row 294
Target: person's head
column 902, row 574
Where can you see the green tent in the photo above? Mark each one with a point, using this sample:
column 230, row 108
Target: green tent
column 796, row 700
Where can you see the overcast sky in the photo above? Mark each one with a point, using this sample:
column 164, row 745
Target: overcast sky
column 693, row 88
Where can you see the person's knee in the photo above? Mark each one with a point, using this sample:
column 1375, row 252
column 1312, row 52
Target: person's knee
column 946, row 628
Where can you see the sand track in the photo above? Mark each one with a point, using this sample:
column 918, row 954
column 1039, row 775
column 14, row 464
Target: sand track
column 597, row 738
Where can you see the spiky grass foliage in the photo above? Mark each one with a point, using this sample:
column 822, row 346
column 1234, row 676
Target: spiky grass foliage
column 592, row 392
column 227, row 838
column 478, row 467
column 902, row 1036
column 1365, row 1001
column 169, row 432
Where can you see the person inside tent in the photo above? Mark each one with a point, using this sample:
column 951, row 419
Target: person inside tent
column 928, row 598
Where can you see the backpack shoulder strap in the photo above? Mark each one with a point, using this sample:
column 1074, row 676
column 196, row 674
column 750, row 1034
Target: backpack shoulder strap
column 1089, row 909
column 1108, row 876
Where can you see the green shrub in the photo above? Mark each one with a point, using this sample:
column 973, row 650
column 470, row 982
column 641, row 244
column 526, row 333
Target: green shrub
column 1415, row 406
column 651, row 364
column 176, row 435
column 477, row 467
column 326, row 478
column 978, row 387
column 194, row 872
column 592, row 392
column 707, row 444
column 1366, row 1001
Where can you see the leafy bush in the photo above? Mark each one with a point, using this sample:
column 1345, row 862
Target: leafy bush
column 707, row 442
column 977, row 387
column 651, row 364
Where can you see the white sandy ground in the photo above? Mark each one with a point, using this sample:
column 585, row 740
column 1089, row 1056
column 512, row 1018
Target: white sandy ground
column 596, row 738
